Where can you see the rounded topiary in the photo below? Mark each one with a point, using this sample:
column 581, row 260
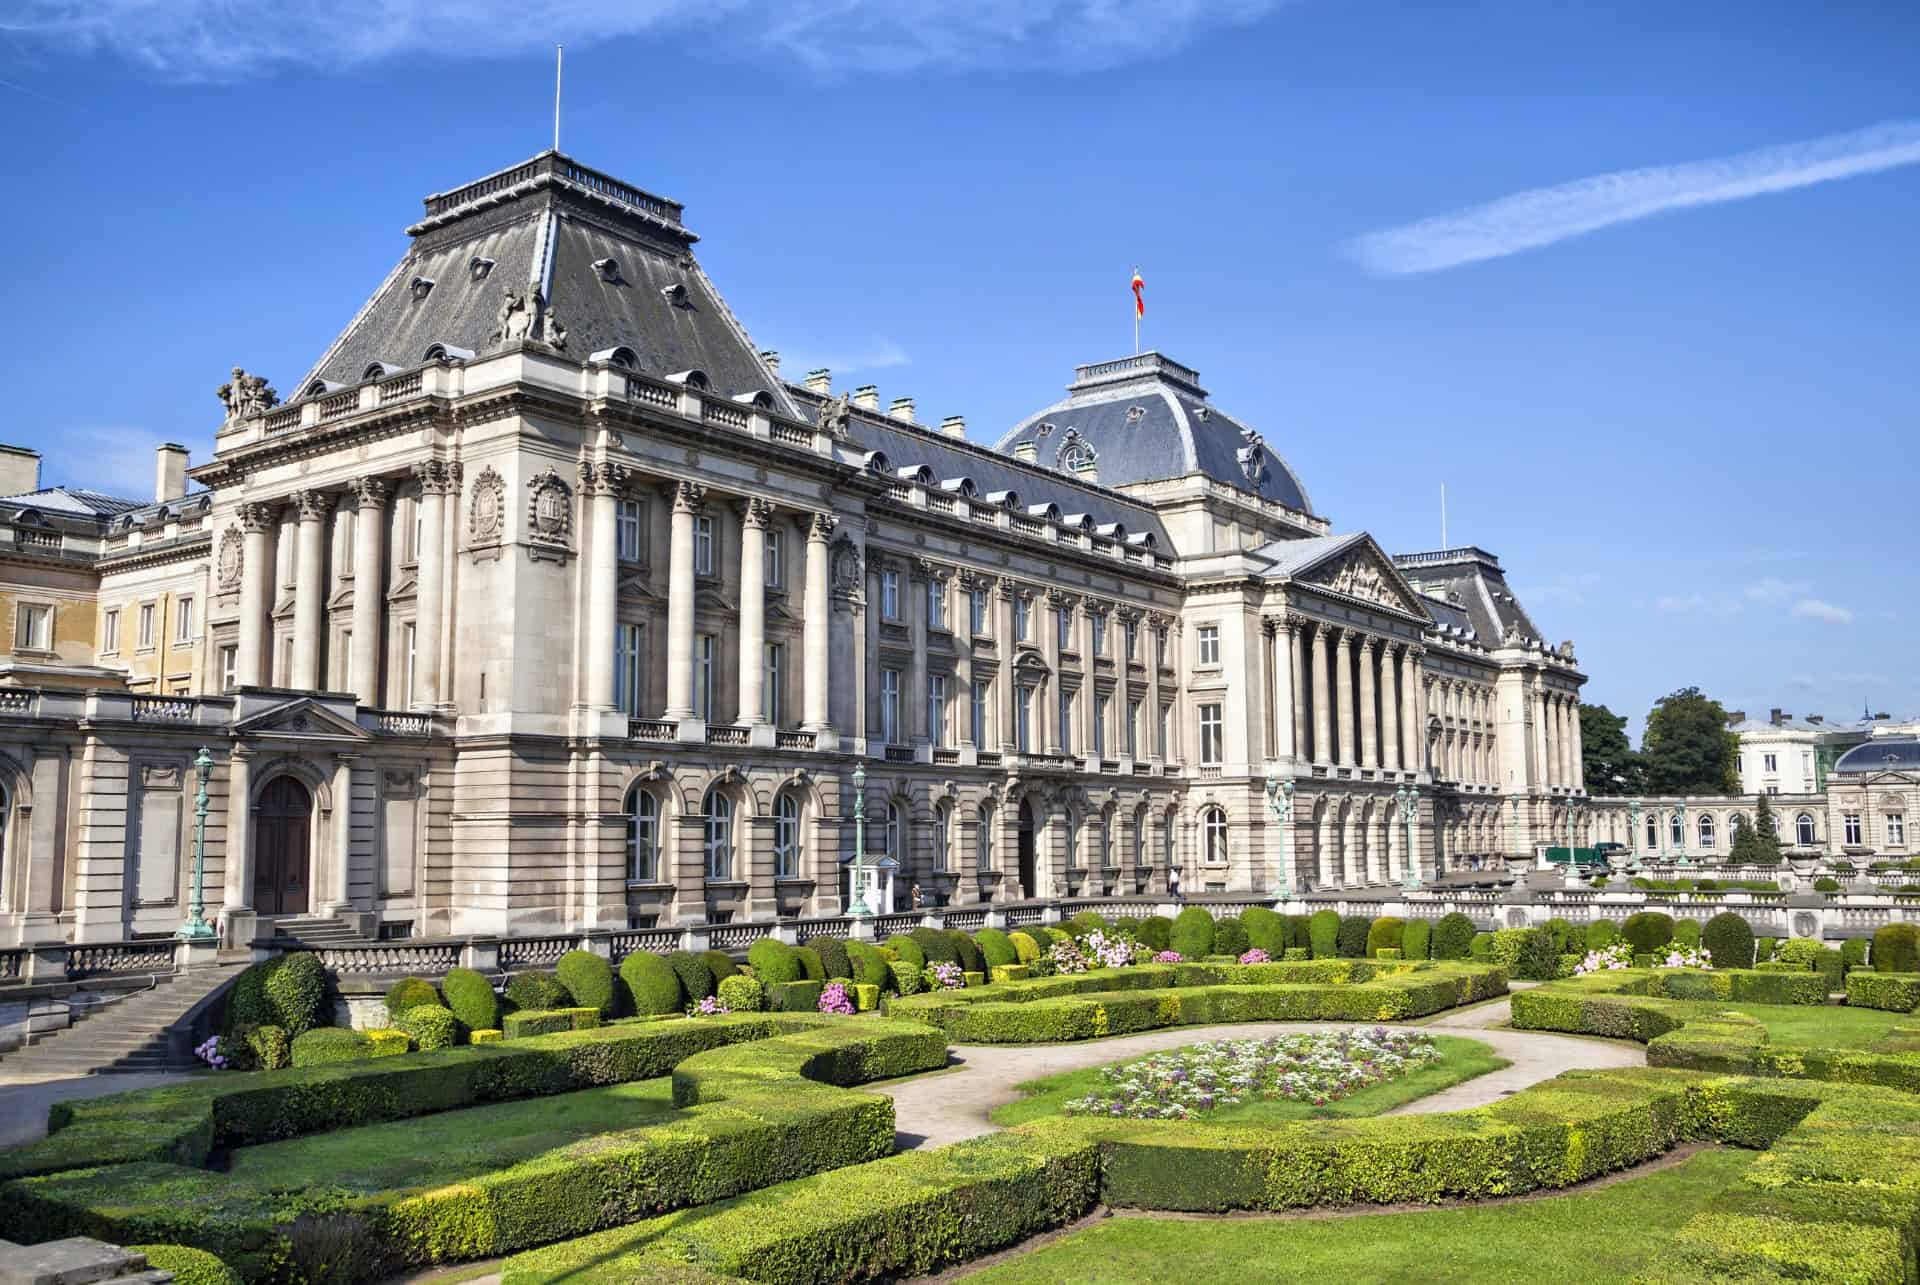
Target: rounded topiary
column 1155, row 931
column 1647, row 931
column 935, row 945
column 812, row 967
column 967, row 951
column 535, row 990
column 1853, row 954
column 1896, row 949
column 773, row 962
column 1086, row 922
column 1563, row 935
column 588, row 979
column 1230, row 936
column 741, row 994
column 1024, row 946
column 696, row 979
column 869, row 966
column 1826, row 884
column 470, row 996
column 1686, row 933
column 1452, row 936
column 1416, row 939
column 995, row 948
column 650, row 984
column 296, row 990
column 1266, row 930
column 189, row 1266
column 721, row 964
column 833, row 955
column 1385, row 933
column 1323, row 933
column 1729, row 941
column 411, row 992
column 429, row 1026
column 1192, row 933
column 1299, row 932
column 1351, row 939
column 1602, row 933
column 1801, row 952
column 269, row 1047
column 1481, row 947
column 910, row 951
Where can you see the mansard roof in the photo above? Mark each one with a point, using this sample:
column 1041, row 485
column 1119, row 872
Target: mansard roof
column 72, row 501
column 1470, row 579
column 1146, row 418
column 610, row 263
column 1882, row 754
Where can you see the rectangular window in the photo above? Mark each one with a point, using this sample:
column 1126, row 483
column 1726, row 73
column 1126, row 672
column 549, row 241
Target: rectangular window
column 890, row 594
column 628, row 525
column 1209, row 636
column 1773, row 789
column 936, row 605
column 628, row 671
column 977, row 612
column 1022, row 617
column 776, row 676
column 1160, row 647
column 1066, row 721
column 1162, row 732
column 1896, row 829
column 703, row 650
column 1100, row 705
column 1024, row 731
column 1212, row 738
column 937, row 709
column 1133, row 640
column 703, row 551
column 1063, row 627
column 890, row 706
column 110, row 633
column 146, row 624
column 406, row 664
column 1850, row 829
column 775, row 568
column 1097, row 623
column 1771, row 763
column 229, row 667
column 1133, row 729
column 979, row 720
column 183, row 621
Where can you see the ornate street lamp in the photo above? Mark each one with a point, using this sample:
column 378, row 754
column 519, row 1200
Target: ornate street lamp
column 1680, row 819
column 858, row 904
column 196, row 928
column 1280, row 803
column 1633, row 834
column 1408, row 796
column 1513, row 826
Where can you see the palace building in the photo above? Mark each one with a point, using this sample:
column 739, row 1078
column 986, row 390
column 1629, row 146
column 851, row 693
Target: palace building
column 545, row 602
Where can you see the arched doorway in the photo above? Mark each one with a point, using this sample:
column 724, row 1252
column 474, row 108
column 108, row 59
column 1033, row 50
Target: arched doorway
column 282, row 824
column 1028, row 885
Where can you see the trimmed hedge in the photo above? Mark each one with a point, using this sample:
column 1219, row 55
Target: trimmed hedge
column 1648, row 930
column 1385, row 933
column 1416, row 940
column 795, row 997
column 773, row 962
column 967, row 951
column 651, row 985
column 1686, row 933
column 547, row 1021
column 1892, row 992
column 588, row 980
column 1351, row 940
column 1896, row 949
column 1192, row 933
column 1154, row 931
column 428, row 1026
column 1853, row 953
column 935, row 946
column 870, row 967
column 471, row 997
column 721, row 964
column 1266, row 930
column 910, row 951
column 326, row 1045
column 995, row 948
column 269, row 1046
column 1230, row 937
column 1729, row 941
column 1452, row 936
column 486, row 1037
column 812, row 967
column 296, row 991
column 189, row 1266
column 1602, row 933
column 696, row 979
column 833, row 956
column 906, row 978
column 537, row 990
column 741, row 994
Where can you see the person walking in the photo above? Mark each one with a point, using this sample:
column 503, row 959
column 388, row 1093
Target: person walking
column 1173, row 883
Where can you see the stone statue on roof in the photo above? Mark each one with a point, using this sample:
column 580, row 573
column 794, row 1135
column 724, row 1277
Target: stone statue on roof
column 513, row 319
column 836, row 413
column 246, row 395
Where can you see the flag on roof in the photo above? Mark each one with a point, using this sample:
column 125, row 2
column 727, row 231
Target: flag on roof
column 1139, row 300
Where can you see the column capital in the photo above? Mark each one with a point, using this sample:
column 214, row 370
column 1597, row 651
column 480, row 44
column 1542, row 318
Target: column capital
column 314, row 506
column 821, row 526
column 931, row 570
column 370, row 492
column 259, row 516
column 1009, row 588
column 1062, row 599
column 1345, row 641
column 601, row 477
column 689, row 497
column 756, row 514
column 436, row 477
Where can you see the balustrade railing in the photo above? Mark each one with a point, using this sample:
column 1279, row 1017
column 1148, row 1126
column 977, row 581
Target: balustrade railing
column 534, row 952
column 120, row 957
column 793, row 740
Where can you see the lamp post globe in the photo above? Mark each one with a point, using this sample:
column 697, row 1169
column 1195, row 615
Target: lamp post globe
column 1280, row 803
column 196, row 927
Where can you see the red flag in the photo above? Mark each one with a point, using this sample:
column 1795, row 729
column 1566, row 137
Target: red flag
column 1139, row 300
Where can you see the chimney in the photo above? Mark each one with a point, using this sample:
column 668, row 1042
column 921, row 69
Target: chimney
column 1774, row 716
column 901, row 408
column 772, row 359
column 19, row 470
column 954, row 426
column 1736, row 716
column 820, row 381
column 1816, row 719
column 1026, row 452
column 169, row 472
column 867, row 397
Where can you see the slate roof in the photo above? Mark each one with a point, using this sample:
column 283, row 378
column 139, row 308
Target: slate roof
column 1881, row 754
column 74, row 501
column 1470, row 580
column 1147, row 419
column 1289, row 557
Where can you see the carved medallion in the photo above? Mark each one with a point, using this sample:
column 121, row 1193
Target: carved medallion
column 550, row 508
column 227, row 563
column 487, row 511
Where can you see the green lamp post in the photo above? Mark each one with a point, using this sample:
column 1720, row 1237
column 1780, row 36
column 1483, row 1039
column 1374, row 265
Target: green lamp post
column 859, row 904
column 196, row 928
column 1680, row 824
column 1633, row 834
column 1280, row 803
column 1408, row 797
column 1513, row 826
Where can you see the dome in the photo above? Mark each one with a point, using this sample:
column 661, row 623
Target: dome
column 1882, row 754
column 1144, row 419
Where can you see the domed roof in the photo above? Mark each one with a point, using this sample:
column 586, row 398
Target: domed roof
column 1882, row 754
column 1146, row 418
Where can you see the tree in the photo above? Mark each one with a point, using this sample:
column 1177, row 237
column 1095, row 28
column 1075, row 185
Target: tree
column 1766, row 835
column 1610, row 763
column 1687, row 747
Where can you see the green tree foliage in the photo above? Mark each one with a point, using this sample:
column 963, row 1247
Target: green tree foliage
column 1611, row 764
column 1766, row 835
column 1896, row 949
column 651, row 985
column 1230, row 937
column 1648, row 930
column 1687, row 747
column 1155, row 931
column 1729, row 940
column 588, row 979
column 1451, row 936
column 1193, row 933
column 773, row 962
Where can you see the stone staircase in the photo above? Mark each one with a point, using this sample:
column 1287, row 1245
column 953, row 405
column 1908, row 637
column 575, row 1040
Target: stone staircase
column 126, row 1035
column 313, row 932
column 78, row 1261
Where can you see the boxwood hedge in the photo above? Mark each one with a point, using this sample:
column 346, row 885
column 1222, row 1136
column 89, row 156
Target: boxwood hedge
column 1893, row 992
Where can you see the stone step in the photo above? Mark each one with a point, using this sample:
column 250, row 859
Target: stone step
column 133, row 1036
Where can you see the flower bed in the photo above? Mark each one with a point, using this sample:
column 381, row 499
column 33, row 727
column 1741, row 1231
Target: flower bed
column 1323, row 1067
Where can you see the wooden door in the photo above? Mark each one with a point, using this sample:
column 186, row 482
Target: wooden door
column 282, row 822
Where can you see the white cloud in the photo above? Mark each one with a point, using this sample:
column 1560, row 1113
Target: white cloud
column 232, row 39
column 1565, row 590
column 1718, row 604
column 877, row 354
column 1815, row 609
column 1542, row 216
column 113, row 458
column 1773, row 589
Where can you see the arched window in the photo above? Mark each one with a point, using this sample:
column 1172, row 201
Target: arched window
column 643, row 837
column 1803, row 830
column 1073, row 841
column 1677, row 828
column 786, row 837
column 942, row 834
column 983, row 836
column 1213, row 836
column 894, row 833
column 1168, row 836
column 719, row 839
column 1105, row 839
column 1706, row 830
column 1140, row 836
column 1653, row 831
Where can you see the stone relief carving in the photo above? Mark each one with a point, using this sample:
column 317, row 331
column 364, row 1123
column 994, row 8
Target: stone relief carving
column 525, row 316
column 487, row 511
column 836, row 413
column 1076, row 454
column 1252, row 456
column 246, row 395
column 1359, row 576
column 162, row 776
column 550, row 509
column 847, row 571
column 227, row 562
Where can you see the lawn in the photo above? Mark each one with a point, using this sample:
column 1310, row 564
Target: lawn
column 1460, row 1059
column 435, row 1149
column 1820, row 1026
column 1604, row 1234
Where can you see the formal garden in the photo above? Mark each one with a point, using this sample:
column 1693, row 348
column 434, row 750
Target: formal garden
column 694, row 1117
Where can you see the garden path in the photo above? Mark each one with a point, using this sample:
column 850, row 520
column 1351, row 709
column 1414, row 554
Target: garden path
column 23, row 1105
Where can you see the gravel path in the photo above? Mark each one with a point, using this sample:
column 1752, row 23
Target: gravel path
column 23, row 1105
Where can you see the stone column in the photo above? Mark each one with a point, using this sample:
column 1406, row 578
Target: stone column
column 688, row 499
column 1047, row 710
column 1009, row 713
column 1567, row 723
column 369, row 588
column 963, row 690
column 1152, row 729
column 753, row 610
column 1343, row 695
column 601, row 485
column 256, row 592
column 817, row 629
column 1322, row 723
column 1414, row 726
column 339, row 894
column 918, row 584
column 1578, row 776
column 1389, row 707
column 310, row 596
column 239, row 866
column 1540, row 773
column 1369, row 724
column 1296, row 687
column 435, row 480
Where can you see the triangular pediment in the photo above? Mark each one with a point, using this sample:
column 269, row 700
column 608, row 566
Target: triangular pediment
column 301, row 719
column 636, row 586
column 1360, row 570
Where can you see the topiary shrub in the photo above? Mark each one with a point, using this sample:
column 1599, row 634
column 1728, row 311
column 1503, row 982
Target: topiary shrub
column 1686, row 933
column 967, row 951
column 1385, row 933
column 995, row 948
column 773, row 962
column 535, row 990
column 1266, row 930
column 1801, row 952
column 296, row 990
column 1729, row 940
column 1086, row 922
column 1526, row 953
column 833, row 956
column 812, row 967
column 470, row 996
column 1481, row 947
column 1563, row 935
column 268, row 1047
column 1323, row 933
column 1230, row 937
column 1853, row 953
column 741, row 994
column 325, row 1045
column 1826, row 883
column 906, row 978
column 409, row 992
column 650, row 983
column 588, row 980
column 1602, row 933
column 1452, row 937
column 1648, row 931
column 870, row 967
column 1896, row 949
column 909, row 950
column 1154, row 932
column 1416, row 940
column 696, row 979
column 429, row 1027
column 1025, row 948
column 935, row 946
column 1350, row 940
column 721, row 964
column 1299, row 932
column 189, row 1266
column 1192, row 933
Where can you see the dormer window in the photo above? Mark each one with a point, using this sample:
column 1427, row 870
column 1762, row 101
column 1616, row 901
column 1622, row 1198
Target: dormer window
column 478, row 267
column 675, row 294
column 421, row 287
column 609, row 270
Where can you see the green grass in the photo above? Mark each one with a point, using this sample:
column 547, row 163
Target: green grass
column 1820, row 1026
column 1460, row 1059
column 435, row 1149
column 1605, row 1234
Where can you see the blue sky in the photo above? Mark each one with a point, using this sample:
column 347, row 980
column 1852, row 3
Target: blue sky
column 1689, row 436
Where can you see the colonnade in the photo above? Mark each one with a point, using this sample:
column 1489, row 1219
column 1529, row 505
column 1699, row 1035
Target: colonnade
column 1356, row 697
column 1556, row 737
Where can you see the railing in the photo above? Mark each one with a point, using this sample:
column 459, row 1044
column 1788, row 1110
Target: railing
column 44, row 539
column 19, row 700
column 946, row 758
column 966, row 920
column 646, row 390
column 614, row 189
column 724, row 415
column 888, row 925
column 726, row 736
column 792, row 434
column 737, row 936
column 283, row 420
column 899, row 754
column 534, row 952
column 793, row 740
column 339, row 406
column 401, row 388
column 163, row 709
column 836, row 928
column 654, row 939
column 500, row 182
column 425, row 958
column 988, row 758
column 391, row 722
column 649, row 729
column 120, row 957
column 13, row 964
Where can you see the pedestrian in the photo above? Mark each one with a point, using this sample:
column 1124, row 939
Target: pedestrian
column 913, row 894
column 1173, row 882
